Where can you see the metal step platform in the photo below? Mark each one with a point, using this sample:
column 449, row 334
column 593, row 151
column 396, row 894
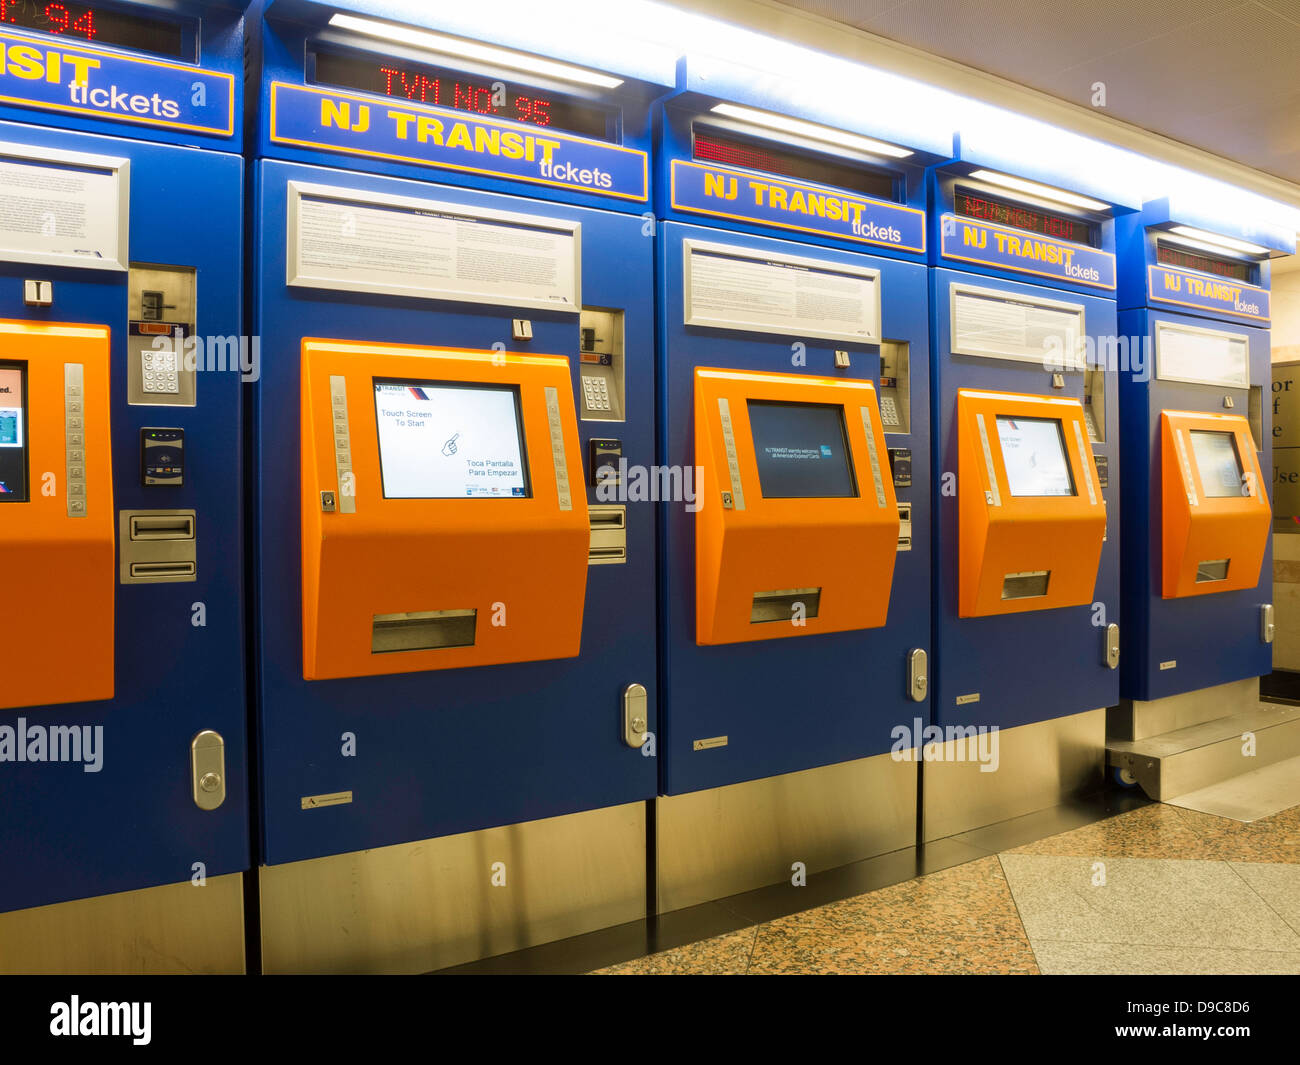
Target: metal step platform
column 1219, row 734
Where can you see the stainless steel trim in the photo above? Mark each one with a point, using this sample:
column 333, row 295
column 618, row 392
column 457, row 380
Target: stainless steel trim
column 347, row 493
column 1085, row 462
column 874, row 455
column 733, row 462
column 557, row 448
column 74, row 422
column 991, row 494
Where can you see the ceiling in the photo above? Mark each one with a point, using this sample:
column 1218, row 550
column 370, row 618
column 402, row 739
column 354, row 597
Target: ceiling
column 1221, row 75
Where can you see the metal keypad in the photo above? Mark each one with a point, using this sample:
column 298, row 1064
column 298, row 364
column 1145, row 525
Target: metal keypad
column 595, row 391
column 160, row 372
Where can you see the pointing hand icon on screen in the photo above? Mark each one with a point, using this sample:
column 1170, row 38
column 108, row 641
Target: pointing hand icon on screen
column 449, row 448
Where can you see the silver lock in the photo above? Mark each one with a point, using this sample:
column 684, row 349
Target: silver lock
column 918, row 680
column 1266, row 628
column 1111, row 658
column 208, row 769
column 635, row 721
column 327, row 502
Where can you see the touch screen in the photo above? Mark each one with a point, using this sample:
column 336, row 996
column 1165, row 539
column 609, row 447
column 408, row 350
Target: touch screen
column 13, row 432
column 1034, row 452
column 1216, row 458
column 448, row 441
column 802, row 450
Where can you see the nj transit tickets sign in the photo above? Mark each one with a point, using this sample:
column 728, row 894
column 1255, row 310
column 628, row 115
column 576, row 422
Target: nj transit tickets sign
column 770, row 201
column 1215, row 294
column 308, row 117
column 120, row 88
column 1026, row 253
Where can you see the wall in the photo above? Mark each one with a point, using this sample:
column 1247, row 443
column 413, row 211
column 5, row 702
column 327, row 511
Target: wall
column 1286, row 546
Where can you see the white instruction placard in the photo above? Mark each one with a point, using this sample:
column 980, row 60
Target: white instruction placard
column 1000, row 325
column 62, row 208
column 1202, row 356
column 734, row 288
column 356, row 241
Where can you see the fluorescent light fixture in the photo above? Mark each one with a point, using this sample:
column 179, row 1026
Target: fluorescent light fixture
column 456, row 46
column 1033, row 188
column 1216, row 242
column 811, row 130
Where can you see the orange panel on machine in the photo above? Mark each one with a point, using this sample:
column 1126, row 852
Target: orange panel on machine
column 398, row 585
column 1216, row 514
column 757, row 558
column 57, row 562
column 1025, row 549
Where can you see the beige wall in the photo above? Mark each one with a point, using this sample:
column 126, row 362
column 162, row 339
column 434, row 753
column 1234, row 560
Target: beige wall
column 1286, row 547
column 1286, row 310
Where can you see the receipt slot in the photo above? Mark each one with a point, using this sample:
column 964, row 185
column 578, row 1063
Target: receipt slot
column 794, row 405
column 455, row 570
column 1197, row 433
column 1026, row 490
column 122, row 637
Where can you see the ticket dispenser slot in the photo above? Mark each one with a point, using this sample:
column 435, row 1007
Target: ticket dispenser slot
column 56, row 514
column 1032, row 517
column 444, row 517
column 160, row 314
column 600, row 341
column 799, row 529
column 1216, row 514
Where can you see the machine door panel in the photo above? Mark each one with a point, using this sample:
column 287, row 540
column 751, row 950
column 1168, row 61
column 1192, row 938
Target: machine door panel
column 128, row 812
column 1051, row 662
column 743, row 703
column 445, row 742
column 1186, row 642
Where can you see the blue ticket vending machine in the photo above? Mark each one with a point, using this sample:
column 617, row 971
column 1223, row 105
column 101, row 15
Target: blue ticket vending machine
column 453, row 264
column 794, row 397
column 122, row 716
column 1026, row 489
column 1197, row 462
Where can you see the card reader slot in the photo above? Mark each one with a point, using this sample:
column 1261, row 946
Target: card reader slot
column 780, row 605
column 423, row 630
column 162, row 527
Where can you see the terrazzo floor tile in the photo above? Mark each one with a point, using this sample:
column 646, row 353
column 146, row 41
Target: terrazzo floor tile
column 791, row 947
column 966, row 900
column 1271, row 839
column 1157, row 903
column 1155, row 831
column 1073, row 959
column 1277, row 885
column 725, row 955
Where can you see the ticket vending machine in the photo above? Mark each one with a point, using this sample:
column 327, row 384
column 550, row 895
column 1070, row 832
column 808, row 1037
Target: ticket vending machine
column 1196, row 418
column 1026, row 485
column 125, row 834
column 794, row 404
column 454, row 627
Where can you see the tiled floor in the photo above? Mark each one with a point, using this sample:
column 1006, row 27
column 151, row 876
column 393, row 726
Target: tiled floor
column 1156, row 890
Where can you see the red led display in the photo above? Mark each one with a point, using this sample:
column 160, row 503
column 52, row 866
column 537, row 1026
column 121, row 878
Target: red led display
column 970, row 205
column 102, row 25
column 712, row 147
column 1205, row 264
column 461, row 92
